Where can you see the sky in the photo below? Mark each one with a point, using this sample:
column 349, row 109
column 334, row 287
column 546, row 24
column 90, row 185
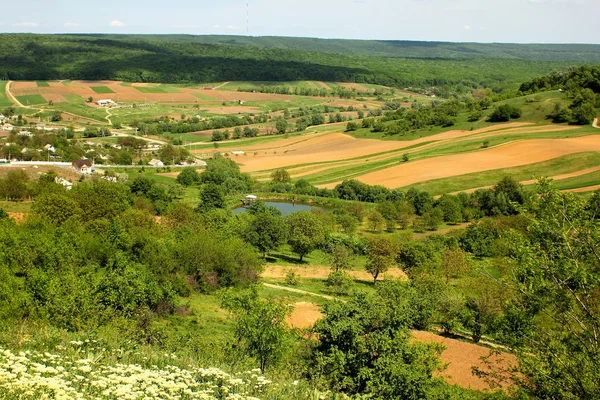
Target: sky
column 507, row 21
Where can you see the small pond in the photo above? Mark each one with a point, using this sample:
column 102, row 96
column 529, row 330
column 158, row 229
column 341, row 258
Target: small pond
column 285, row 207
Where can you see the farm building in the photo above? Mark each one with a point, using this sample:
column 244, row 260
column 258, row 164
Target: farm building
column 82, row 166
column 156, row 163
column 105, row 102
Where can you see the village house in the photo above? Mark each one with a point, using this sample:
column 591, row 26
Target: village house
column 50, row 148
column 105, row 102
column 156, row 163
column 82, row 166
column 62, row 181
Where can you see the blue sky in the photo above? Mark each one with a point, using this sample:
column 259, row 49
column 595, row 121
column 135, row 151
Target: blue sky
column 521, row 21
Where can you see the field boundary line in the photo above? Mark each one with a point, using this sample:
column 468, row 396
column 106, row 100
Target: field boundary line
column 10, row 95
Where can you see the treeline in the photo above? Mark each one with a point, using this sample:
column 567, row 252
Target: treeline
column 43, row 57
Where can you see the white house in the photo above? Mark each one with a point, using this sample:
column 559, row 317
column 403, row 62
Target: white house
column 105, row 102
column 50, row 148
column 82, row 166
column 156, row 163
column 25, row 133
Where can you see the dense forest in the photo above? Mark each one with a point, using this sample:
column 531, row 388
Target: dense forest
column 39, row 57
column 391, row 48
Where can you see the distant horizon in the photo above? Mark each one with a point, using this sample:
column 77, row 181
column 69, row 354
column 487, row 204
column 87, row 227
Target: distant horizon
column 296, row 37
column 456, row 21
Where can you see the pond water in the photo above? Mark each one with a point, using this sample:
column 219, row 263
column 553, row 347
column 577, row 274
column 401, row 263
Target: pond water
column 284, row 207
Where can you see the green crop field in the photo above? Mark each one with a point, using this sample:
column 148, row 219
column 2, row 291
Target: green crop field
column 157, row 89
column 101, row 89
column 31, row 99
column 77, row 105
column 42, row 84
column 4, row 100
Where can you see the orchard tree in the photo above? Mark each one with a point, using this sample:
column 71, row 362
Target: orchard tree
column 259, row 325
column 306, row 232
column 211, row 197
column 266, row 232
column 381, row 255
column 188, row 176
column 280, row 176
column 281, row 125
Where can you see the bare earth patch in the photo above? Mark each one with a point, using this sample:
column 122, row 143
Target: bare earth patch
column 304, row 315
column 321, row 272
column 461, row 358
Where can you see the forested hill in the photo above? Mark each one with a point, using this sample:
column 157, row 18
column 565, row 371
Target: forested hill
column 589, row 53
column 156, row 59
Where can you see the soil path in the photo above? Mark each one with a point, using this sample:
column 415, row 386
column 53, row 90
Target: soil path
column 221, row 85
column 270, row 285
column 512, row 154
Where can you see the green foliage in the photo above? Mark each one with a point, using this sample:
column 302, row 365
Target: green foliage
column 188, row 177
column 555, row 308
column 364, row 347
column 280, row 176
column 381, row 255
column 211, row 197
column 259, row 325
column 505, row 113
column 306, row 232
column 266, row 232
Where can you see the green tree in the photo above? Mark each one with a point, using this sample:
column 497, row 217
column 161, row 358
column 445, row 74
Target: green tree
column 554, row 319
column 260, row 326
column 454, row 262
column 364, row 347
column 55, row 207
column 211, row 197
column 375, row 221
column 266, row 232
column 505, row 113
column 306, row 232
column 280, row 176
column 281, row 125
column 381, row 255
column 188, row 177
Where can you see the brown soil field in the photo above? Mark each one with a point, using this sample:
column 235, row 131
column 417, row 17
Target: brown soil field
column 336, row 147
column 304, row 315
column 54, row 97
column 324, row 85
column 461, row 358
column 321, row 272
column 22, row 85
column 509, row 155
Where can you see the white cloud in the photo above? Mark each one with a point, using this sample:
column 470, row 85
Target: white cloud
column 71, row 25
column 25, row 25
column 117, row 23
column 467, row 27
